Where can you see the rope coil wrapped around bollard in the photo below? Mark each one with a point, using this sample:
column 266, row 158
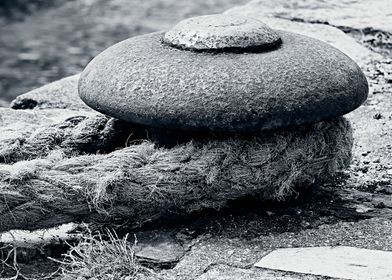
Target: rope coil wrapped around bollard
column 219, row 108
column 143, row 182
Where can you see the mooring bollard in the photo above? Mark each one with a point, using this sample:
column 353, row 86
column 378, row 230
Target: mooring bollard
column 270, row 97
column 234, row 107
column 223, row 73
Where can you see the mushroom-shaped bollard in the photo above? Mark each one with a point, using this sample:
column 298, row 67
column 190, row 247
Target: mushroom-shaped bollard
column 261, row 108
column 146, row 80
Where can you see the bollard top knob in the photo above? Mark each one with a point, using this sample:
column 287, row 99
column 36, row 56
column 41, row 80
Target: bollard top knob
column 221, row 32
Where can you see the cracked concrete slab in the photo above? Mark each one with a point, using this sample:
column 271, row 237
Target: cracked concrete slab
column 219, row 257
column 338, row 261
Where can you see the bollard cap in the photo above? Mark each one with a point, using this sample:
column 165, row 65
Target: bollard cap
column 221, row 32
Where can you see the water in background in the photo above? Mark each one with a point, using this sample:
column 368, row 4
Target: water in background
column 44, row 40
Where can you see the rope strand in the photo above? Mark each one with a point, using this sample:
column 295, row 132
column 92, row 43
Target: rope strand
column 64, row 179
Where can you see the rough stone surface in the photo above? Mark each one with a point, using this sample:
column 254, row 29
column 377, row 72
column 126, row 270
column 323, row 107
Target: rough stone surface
column 61, row 94
column 159, row 248
column 328, row 34
column 217, row 32
column 143, row 81
column 357, row 14
column 221, row 257
column 369, row 24
column 227, row 272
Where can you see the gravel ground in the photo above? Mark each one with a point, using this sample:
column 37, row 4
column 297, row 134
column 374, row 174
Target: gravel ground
column 59, row 41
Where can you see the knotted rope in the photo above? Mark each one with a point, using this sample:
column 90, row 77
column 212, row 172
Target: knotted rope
column 80, row 170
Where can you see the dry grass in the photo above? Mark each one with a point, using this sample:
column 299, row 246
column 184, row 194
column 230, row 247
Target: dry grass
column 95, row 257
column 102, row 258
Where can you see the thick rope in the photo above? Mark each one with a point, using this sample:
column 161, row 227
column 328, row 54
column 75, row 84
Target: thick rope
column 143, row 182
column 76, row 135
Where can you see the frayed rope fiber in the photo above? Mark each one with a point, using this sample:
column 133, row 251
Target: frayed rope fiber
column 144, row 182
column 74, row 136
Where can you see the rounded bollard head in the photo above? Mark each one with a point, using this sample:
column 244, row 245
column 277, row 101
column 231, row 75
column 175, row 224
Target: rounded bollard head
column 146, row 80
